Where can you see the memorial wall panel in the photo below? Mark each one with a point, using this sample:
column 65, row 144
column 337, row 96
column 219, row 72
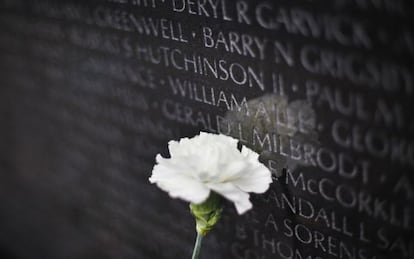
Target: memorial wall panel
column 91, row 91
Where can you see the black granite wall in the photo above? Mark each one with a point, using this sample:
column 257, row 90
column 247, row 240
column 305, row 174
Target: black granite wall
column 91, row 91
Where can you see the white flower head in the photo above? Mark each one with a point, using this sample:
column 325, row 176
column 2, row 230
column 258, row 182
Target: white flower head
column 211, row 162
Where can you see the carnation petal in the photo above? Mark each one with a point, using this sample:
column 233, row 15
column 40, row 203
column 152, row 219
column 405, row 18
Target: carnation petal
column 211, row 162
column 243, row 205
column 257, row 182
column 175, row 149
column 256, row 178
column 179, row 185
column 250, row 154
column 232, row 170
column 234, row 194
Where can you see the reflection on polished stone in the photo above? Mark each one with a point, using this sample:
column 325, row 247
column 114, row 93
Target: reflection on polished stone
column 276, row 128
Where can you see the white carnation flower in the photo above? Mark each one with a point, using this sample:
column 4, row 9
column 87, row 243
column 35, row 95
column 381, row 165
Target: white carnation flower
column 210, row 162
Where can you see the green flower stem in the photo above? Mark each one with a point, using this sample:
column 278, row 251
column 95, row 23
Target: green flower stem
column 197, row 246
column 206, row 215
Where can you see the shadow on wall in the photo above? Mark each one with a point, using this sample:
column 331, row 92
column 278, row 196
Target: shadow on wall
column 4, row 254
